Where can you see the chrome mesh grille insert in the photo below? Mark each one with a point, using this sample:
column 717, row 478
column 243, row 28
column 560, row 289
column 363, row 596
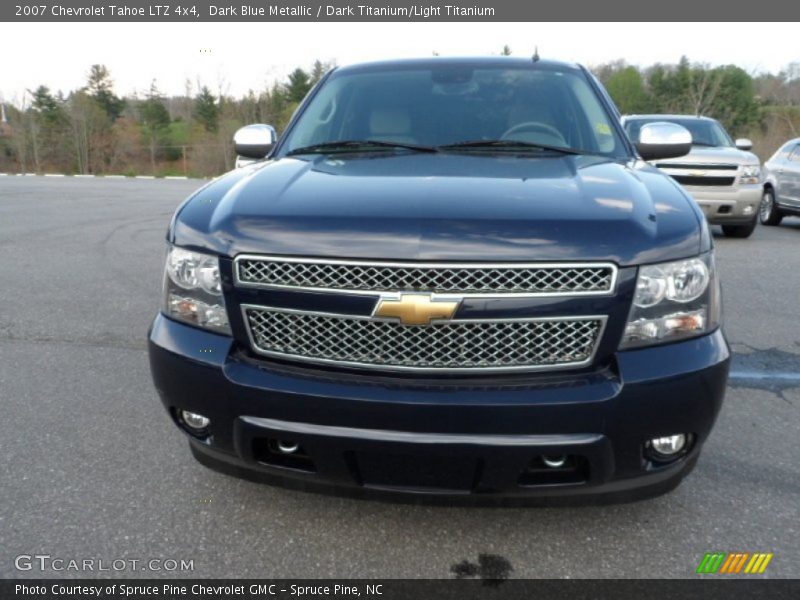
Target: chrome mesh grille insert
column 452, row 345
column 442, row 278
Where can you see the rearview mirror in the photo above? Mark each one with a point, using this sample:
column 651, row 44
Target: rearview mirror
column 744, row 144
column 255, row 141
column 663, row 140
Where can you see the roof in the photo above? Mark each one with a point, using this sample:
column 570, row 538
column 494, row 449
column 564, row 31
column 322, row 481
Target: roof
column 514, row 62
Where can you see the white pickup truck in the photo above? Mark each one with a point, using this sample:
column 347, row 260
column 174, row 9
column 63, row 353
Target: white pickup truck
column 723, row 176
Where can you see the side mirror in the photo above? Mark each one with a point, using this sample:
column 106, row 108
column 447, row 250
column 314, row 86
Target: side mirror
column 744, row 144
column 254, row 141
column 663, row 140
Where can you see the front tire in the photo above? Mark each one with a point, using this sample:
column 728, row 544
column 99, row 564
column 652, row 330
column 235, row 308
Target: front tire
column 768, row 212
column 740, row 231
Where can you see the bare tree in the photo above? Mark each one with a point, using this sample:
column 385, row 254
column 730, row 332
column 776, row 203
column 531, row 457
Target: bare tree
column 604, row 71
column 704, row 86
column 32, row 123
column 86, row 122
column 18, row 128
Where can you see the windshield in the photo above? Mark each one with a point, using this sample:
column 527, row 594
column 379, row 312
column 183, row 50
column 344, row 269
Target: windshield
column 705, row 132
column 451, row 104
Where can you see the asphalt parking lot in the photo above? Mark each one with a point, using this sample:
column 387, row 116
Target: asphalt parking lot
column 92, row 467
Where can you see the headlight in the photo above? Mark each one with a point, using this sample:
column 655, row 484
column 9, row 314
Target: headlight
column 751, row 174
column 674, row 300
column 193, row 290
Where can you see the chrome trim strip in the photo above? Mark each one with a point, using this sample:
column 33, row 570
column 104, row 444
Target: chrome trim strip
column 410, row 437
column 429, row 265
column 361, row 365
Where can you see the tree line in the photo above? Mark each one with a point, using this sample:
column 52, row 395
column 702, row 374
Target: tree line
column 93, row 130
column 764, row 107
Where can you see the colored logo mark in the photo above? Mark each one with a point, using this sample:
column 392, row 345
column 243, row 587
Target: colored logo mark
column 734, row 562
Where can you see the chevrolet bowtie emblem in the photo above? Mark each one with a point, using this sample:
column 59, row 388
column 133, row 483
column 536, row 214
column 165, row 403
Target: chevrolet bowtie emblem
column 416, row 309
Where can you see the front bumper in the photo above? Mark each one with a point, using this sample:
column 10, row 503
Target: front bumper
column 467, row 437
column 734, row 205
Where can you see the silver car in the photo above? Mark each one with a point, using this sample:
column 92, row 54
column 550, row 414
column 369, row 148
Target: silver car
column 781, row 184
column 723, row 176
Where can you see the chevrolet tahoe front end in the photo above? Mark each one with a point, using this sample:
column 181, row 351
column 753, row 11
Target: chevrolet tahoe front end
column 390, row 304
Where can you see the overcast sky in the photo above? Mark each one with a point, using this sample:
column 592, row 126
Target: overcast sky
column 242, row 56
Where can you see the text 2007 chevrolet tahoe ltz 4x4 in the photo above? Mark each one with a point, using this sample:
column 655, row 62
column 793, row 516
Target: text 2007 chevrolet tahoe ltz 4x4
column 449, row 276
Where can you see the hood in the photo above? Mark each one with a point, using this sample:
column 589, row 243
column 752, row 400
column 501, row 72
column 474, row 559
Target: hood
column 454, row 206
column 703, row 155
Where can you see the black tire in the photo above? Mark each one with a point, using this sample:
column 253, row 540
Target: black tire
column 768, row 212
column 740, row 231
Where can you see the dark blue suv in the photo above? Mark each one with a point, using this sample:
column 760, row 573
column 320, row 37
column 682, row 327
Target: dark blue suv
column 448, row 277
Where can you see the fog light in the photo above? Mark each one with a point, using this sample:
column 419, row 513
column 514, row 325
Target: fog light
column 748, row 210
column 288, row 447
column 555, row 462
column 668, row 446
column 194, row 420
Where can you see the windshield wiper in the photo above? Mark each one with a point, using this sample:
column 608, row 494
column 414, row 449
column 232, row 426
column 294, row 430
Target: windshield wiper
column 510, row 145
column 355, row 145
column 694, row 143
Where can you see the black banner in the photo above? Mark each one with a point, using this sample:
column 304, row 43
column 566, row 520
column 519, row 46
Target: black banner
column 394, row 589
column 384, row 10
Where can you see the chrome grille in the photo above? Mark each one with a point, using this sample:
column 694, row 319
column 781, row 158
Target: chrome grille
column 462, row 278
column 461, row 345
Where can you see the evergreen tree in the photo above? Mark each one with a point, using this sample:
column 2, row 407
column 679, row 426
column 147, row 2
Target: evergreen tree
column 47, row 105
column 299, row 85
column 627, row 88
column 101, row 87
column 155, row 121
column 206, row 111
